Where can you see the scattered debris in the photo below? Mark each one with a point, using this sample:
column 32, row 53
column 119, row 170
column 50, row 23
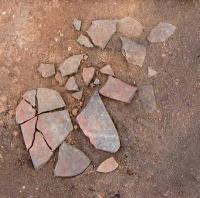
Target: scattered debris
column 118, row 90
column 88, row 74
column 71, row 161
column 108, row 165
column 78, row 95
column 47, row 70
column 151, row 72
column 59, row 79
column 107, row 70
column 134, row 53
column 97, row 81
column 71, row 84
column 161, row 32
column 101, row 32
column 83, row 40
column 129, row 27
column 29, row 96
column 99, row 129
column 77, row 24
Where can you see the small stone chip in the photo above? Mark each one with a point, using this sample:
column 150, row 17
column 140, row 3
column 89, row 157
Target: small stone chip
column 151, row 72
column 71, row 84
column 78, row 95
column 107, row 70
column 88, row 74
column 83, row 40
column 108, row 165
column 118, row 90
column 46, row 70
column 71, row 161
column 77, row 24
column 97, row 81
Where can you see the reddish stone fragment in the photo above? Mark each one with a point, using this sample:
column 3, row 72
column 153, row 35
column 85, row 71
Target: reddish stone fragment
column 88, row 74
column 108, row 165
column 107, row 70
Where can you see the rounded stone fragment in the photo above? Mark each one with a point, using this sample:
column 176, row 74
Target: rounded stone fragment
column 88, row 74
column 77, row 24
column 29, row 96
column 71, row 161
column 46, row 70
column 107, row 70
column 107, row 166
column 83, row 40
column 71, row 84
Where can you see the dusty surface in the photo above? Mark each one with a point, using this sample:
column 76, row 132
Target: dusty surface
column 159, row 154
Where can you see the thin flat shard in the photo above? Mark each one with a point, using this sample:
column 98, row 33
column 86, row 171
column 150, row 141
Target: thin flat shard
column 28, row 131
column 88, row 74
column 107, row 70
column 71, row 84
column 77, row 24
column 47, row 70
column 97, row 125
column 83, row 40
column 134, row 53
column 151, row 72
column 118, row 90
column 78, row 95
column 55, row 127
column 48, row 100
column 147, row 97
column 108, row 165
column 101, row 32
column 71, row 161
column 29, row 96
column 40, row 152
column 161, row 32
column 71, row 65
column 24, row 112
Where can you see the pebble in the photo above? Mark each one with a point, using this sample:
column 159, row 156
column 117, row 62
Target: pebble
column 97, row 81
column 101, row 32
column 161, row 32
column 77, row 24
column 59, row 79
column 29, row 96
column 134, row 53
column 118, row 90
column 97, row 125
column 108, row 165
column 71, row 84
column 47, row 70
column 151, row 72
column 78, row 95
column 107, row 70
column 71, row 161
column 83, row 40
column 88, row 74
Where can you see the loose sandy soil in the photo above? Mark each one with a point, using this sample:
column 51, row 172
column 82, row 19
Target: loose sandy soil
column 160, row 152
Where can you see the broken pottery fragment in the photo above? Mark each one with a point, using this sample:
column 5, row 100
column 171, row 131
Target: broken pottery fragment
column 129, row 27
column 161, row 32
column 29, row 96
column 134, row 53
column 97, row 125
column 147, row 97
column 24, row 112
column 71, row 161
column 40, row 153
column 48, row 100
column 71, row 65
column 88, row 74
column 46, row 70
column 78, row 95
column 151, row 72
column 107, row 166
column 101, row 32
column 83, row 40
column 118, row 90
column 55, row 127
column 71, row 84
column 107, row 70
column 77, row 24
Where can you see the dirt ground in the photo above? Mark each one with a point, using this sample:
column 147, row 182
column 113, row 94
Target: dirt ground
column 160, row 152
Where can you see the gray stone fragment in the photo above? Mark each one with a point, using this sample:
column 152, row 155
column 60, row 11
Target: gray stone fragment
column 71, row 161
column 161, row 32
column 147, row 97
column 40, row 152
column 88, row 74
column 71, row 65
column 29, row 96
column 101, row 32
column 78, row 95
column 55, row 127
column 97, row 125
column 107, row 70
column 49, row 100
column 83, row 40
column 71, row 84
column 77, row 24
column 46, row 70
column 97, row 81
column 134, row 53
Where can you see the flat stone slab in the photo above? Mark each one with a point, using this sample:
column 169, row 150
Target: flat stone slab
column 147, row 97
column 48, row 100
column 161, row 32
column 24, row 112
column 78, row 95
column 107, row 70
column 71, row 65
column 55, row 127
column 134, row 53
column 47, row 70
column 108, row 165
column 118, row 90
column 83, row 40
column 77, row 24
column 40, row 153
column 29, row 96
column 97, row 125
column 71, row 84
column 101, row 32
column 71, row 161
column 129, row 27
column 88, row 74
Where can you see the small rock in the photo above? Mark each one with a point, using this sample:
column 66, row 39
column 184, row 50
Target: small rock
column 147, row 97
column 71, row 65
column 77, row 24
column 118, row 90
column 29, row 96
column 97, row 81
column 101, row 32
column 88, row 74
column 134, row 53
column 75, row 127
column 161, row 32
column 107, row 166
column 59, row 79
column 78, row 95
column 47, row 70
column 151, row 72
column 71, row 161
column 71, row 84
column 39, row 152
column 107, row 70
column 74, row 112
column 130, row 27
column 83, row 40
column 97, row 125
